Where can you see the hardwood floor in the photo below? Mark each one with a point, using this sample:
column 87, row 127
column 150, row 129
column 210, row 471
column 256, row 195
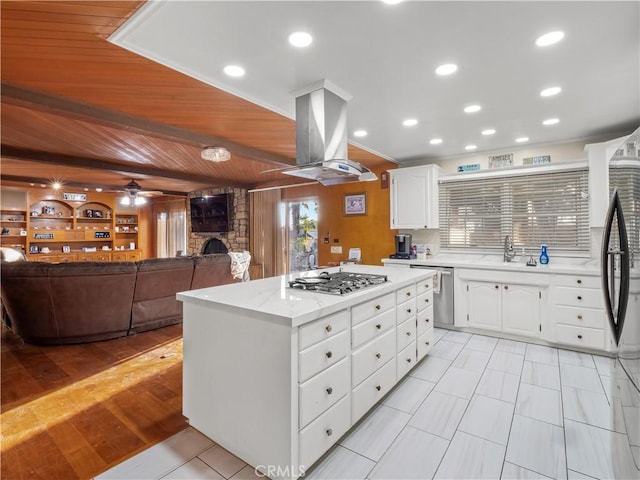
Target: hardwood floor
column 74, row 411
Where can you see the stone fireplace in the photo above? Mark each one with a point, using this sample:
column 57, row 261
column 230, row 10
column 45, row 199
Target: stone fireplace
column 237, row 238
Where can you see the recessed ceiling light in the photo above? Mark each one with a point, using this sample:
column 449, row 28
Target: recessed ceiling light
column 470, row 147
column 410, row 122
column 360, row 133
column 234, row 70
column 488, row 131
column 447, row 69
column 32, row 184
column 522, row 139
column 550, row 121
column 391, row 2
column 472, row 108
column 85, row 189
column 300, row 39
column 435, row 141
column 56, row 185
column 98, row 189
column 549, row 38
column 548, row 92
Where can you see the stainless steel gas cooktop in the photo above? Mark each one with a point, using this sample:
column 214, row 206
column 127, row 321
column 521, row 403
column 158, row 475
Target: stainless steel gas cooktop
column 338, row 283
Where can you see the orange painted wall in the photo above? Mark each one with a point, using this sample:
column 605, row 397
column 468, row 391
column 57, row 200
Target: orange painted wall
column 370, row 232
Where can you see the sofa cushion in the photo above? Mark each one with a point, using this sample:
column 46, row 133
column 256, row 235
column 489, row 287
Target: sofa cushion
column 154, row 298
column 211, row 270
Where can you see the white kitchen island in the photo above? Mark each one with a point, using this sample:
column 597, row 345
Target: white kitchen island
column 277, row 375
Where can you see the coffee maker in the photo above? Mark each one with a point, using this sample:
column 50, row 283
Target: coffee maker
column 403, row 247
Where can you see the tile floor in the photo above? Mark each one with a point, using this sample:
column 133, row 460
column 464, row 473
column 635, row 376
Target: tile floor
column 476, row 407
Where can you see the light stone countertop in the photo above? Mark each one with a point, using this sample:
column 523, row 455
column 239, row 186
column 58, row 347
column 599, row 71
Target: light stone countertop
column 273, row 300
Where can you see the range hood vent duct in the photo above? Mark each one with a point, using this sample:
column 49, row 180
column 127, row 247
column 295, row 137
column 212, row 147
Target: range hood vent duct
column 321, row 140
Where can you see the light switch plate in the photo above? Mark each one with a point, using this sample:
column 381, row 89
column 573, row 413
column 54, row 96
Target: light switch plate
column 337, row 249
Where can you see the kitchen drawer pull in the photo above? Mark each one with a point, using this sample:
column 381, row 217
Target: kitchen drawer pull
column 497, row 286
column 328, row 328
column 408, row 334
column 426, row 320
column 378, row 326
column 426, row 343
column 378, row 355
column 426, row 285
column 329, row 354
column 579, row 281
column 329, row 432
column 329, row 391
column 408, row 310
column 506, row 287
column 378, row 307
column 426, row 300
column 408, row 360
column 579, row 297
column 579, row 317
column 408, row 294
column 579, row 337
column 378, row 387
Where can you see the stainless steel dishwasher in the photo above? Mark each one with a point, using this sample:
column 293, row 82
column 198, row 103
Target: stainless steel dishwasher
column 443, row 301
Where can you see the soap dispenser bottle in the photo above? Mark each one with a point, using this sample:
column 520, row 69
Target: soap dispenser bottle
column 544, row 258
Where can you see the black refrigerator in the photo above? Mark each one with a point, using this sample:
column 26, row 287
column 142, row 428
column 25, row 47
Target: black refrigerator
column 616, row 273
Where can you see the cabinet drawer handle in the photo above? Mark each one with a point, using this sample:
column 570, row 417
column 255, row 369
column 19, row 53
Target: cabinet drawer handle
column 579, row 297
column 408, row 334
column 328, row 328
column 579, row 281
column 378, row 307
column 579, row 337
column 329, row 432
column 329, row 354
column 426, row 300
column 408, row 294
column 329, row 391
column 426, row 343
column 497, row 286
column 378, row 387
column 408, row 360
column 408, row 310
column 506, row 287
column 579, row 317
column 426, row 320
column 378, row 355
column 378, row 326
column 426, row 285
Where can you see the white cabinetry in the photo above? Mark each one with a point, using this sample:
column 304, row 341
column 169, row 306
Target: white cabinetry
column 508, row 304
column 414, row 197
column 578, row 310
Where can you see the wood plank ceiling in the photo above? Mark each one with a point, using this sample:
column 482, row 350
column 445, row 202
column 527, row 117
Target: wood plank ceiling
column 78, row 109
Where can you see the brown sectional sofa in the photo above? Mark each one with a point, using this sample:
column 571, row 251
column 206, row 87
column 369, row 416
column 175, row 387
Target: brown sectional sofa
column 79, row 302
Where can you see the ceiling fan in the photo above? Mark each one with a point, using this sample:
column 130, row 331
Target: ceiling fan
column 136, row 194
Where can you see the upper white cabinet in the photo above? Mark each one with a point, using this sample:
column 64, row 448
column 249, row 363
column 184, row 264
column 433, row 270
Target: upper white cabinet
column 414, row 197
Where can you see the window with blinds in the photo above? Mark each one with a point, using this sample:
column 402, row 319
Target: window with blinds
column 532, row 208
column 625, row 176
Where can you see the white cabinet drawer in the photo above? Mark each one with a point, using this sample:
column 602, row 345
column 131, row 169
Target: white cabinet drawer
column 366, row 310
column 424, row 344
column 374, row 327
column 372, row 356
column 324, row 328
column 406, row 311
column 425, row 300
column 406, row 293
column 324, row 431
column 405, row 333
column 373, row 389
column 424, row 286
column 322, row 355
column 580, row 316
column 577, row 281
column 406, row 360
column 579, row 297
column 580, row 336
column 323, row 390
column 425, row 320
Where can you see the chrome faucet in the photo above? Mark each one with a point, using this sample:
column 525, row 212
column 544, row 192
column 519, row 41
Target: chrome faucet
column 509, row 253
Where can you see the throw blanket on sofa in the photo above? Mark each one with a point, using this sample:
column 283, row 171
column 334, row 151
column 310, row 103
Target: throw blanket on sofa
column 240, row 265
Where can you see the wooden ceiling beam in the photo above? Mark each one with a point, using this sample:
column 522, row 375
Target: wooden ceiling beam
column 38, row 100
column 9, row 151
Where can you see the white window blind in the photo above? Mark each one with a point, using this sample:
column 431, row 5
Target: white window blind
column 626, row 177
column 532, row 208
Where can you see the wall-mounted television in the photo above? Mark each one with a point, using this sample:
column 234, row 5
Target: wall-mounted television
column 210, row 214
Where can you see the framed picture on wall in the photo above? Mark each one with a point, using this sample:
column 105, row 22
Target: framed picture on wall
column 355, row 204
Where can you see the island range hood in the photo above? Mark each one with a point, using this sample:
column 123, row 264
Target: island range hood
column 321, row 140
